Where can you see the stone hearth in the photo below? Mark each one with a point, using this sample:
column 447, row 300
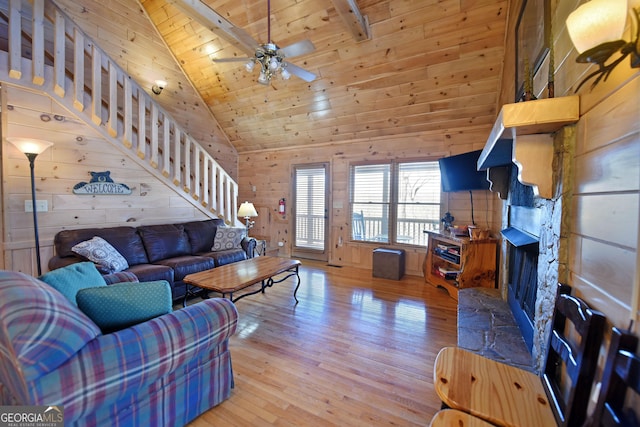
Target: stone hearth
column 486, row 326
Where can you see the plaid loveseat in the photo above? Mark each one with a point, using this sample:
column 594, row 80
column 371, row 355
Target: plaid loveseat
column 163, row 372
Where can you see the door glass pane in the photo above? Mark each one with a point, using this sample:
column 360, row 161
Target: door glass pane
column 310, row 208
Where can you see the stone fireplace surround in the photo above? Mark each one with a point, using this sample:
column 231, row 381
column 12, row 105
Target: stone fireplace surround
column 485, row 324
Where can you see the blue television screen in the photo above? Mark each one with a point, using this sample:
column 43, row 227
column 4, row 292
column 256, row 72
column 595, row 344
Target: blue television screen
column 460, row 173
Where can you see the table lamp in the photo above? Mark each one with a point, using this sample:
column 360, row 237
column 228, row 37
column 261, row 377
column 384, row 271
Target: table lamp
column 247, row 211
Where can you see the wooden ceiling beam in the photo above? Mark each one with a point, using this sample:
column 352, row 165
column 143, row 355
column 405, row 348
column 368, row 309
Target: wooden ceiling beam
column 357, row 22
column 209, row 18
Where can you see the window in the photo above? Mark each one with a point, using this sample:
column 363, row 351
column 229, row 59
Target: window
column 395, row 202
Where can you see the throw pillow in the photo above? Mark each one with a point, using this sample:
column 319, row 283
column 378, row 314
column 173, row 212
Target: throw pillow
column 106, row 257
column 70, row 279
column 228, row 238
column 125, row 304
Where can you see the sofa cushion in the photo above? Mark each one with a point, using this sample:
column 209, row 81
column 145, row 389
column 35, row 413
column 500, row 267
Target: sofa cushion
column 152, row 272
column 202, row 233
column 122, row 305
column 41, row 325
column 125, row 239
column 187, row 264
column 70, row 279
column 107, row 259
column 164, row 241
column 226, row 257
column 228, row 238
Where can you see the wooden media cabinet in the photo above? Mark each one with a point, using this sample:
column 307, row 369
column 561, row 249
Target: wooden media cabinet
column 455, row 262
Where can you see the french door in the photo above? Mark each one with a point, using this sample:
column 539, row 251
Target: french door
column 310, row 211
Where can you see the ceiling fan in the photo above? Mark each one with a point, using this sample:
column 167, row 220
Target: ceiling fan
column 271, row 58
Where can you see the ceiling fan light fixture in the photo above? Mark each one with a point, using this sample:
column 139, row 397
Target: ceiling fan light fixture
column 274, row 64
column 264, row 78
column 271, row 59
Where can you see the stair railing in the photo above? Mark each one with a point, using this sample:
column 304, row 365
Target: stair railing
column 47, row 51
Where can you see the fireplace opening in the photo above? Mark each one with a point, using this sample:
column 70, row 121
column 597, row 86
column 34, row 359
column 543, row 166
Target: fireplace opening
column 522, row 254
column 523, row 285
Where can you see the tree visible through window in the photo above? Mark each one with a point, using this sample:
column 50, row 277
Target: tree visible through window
column 395, row 202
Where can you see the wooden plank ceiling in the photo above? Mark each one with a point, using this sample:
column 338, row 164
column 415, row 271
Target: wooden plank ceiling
column 427, row 66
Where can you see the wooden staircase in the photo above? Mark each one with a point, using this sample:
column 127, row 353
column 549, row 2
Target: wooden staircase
column 46, row 51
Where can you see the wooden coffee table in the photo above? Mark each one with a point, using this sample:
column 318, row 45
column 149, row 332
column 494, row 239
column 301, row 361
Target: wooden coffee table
column 234, row 277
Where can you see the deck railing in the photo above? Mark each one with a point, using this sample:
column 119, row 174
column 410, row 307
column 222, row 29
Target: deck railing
column 310, row 231
column 45, row 50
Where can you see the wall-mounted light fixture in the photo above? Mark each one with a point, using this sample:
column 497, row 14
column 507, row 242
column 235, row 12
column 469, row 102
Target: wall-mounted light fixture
column 31, row 148
column 247, row 211
column 158, row 86
column 596, row 29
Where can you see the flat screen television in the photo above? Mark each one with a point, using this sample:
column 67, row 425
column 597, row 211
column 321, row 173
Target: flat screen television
column 460, row 173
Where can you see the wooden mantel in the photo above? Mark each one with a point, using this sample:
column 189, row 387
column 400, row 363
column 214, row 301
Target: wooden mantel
column 522, row 134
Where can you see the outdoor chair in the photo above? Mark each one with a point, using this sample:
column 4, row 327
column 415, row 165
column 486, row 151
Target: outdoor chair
column 357, row 226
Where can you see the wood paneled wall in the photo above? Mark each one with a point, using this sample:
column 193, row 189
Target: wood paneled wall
column 78, row 150
column 605, row 212
column 604, row 232
column 269, row 172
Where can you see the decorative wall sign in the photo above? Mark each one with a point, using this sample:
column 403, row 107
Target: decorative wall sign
column 532, row 41
column 101, row 183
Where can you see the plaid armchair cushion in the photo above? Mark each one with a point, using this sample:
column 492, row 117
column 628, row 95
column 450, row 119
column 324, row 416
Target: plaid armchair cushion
column 41, row 325
column 116, row 366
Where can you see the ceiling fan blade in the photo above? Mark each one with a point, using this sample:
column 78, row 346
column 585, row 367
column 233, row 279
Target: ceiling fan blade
column 244, row 59
column 298, row 48
column 202, row 13
column 305, row 75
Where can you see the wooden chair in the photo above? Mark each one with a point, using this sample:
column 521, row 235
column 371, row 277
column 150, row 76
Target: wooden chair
column 508, row 396
column 620, row 375
column 454, row 417
column 621, row 372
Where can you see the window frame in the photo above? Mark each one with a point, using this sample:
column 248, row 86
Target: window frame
column 394, row 192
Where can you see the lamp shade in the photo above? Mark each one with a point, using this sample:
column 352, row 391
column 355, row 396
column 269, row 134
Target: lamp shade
column 247, row 210
column 597, row 22
column 30, row 145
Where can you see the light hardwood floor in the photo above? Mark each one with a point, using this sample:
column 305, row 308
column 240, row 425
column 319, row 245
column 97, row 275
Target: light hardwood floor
column 355, row 351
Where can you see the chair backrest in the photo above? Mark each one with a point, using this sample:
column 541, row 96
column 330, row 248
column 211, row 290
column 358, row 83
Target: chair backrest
column 621, row 374
column 40, row 330
column 572, row 357
column 357, row 226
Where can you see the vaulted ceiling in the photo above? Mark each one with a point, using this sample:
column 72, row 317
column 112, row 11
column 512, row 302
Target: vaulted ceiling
column 426, row 65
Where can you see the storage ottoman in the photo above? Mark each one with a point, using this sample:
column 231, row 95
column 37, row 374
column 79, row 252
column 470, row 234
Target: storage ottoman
column 388, row 263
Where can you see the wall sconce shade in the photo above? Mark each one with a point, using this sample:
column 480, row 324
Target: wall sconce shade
column 158, row 87
column 247, row 210
column 596, row 30
column 597, row 22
